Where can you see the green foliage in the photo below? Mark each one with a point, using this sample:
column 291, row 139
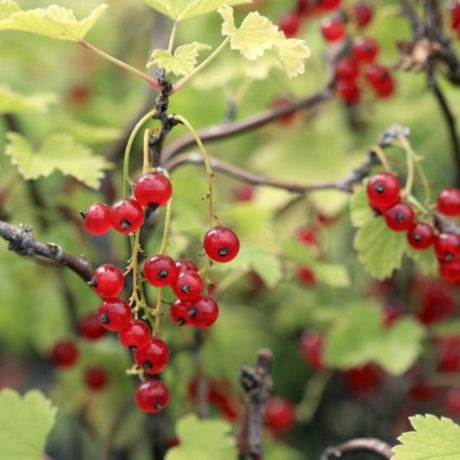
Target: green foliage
column 25, row 423
column 432, row 437
column 12, row 102
column 57, row 152
column 203, row 440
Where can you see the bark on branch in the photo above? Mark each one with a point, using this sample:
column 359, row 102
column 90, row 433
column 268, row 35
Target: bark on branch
column 358, row 446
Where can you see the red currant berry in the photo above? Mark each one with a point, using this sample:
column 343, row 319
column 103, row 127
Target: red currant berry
column 80, row 94
column 114, row 314
column 347, row 69
column 97, row 219
column 152, row 396
column 399, row 217
column 448, row 201
column 329, row 5
column 385, row 89
column 437, row 304
column 153, row 357
column 90, row 328
column 64, row 354
column 188, row 286
column 203, row 312
column 422, row 392
column 377, row 75
column 450, row 271
column 453, row 401
column 365, row 49
column 279, row 414
column 186, row 265
column 455, row 15
column 363, row 379
column 153, row 189
column 96, row 378
column 305, row 276
column 421, row 236
column 449, row 354
column 333, row 30
column 362, row 14
column 302, row 6
column 126, row 215
column 447, row 246
column 245, row 193
column 107, row 281
column 383, row 191
column 307, row 236
column 280, row 103
column 135, row 335
column 221, row 244
column 311, row 347
column 348, row 91
column 160, row 271
column 289, row 24
column 179, row 312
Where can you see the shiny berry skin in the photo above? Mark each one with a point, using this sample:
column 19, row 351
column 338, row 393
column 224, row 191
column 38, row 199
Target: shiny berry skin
column 90, row 328
column 332, row 30
column 311, row 347
column 307, row 236
column 305, row 276
column 450, row 271
column 347, row 69
column 422, row 391
column 186, row 265
column 203, row 312
column 107, row 281
column 455, row 16
column 362, row 14
column 348, row 91
column 96, row 378
column 97, row 219
column 365, row 49
column 64, row 354
column 160, row 271
column 437, row 304
column 453, row 401
column 153, row 357
column 421, row 236
column 188, row 286
column 135, row 335
column 329, row 5
column 381, row 80
column 383, row 191
column 152, row 396
column 126, row 215
column 449, row 354
column 221, row 244
column 279, row 414
column 302, row 6
column 114, row 314
column 399, row 217
column 385, row 89
column 448, row 202
column 447, row 246
column 289, row 23
column 179, row 312
column 363, row 379
column 153, row 189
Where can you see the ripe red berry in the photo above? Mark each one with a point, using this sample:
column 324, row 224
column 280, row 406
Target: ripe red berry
column 245, row 193
column 347, row 69
column 437, row 304
column 449, row 354
column 363, row 379
column 160, row 271
column 447, row 246
column 348, row 91
column 333, row 30
column 152, row 396
column 399, row 217
column 153, row 189
column 64, row 354
column 422, row 391
column 179, row 312
column 307, row 236
column 135, row 335
column 450, row 271
column 302, row 6
column 107, row 281
column 126, row 215
column 362, row 14
column 455, row 15
column 305, row 276
column 365, row 49
column 97, row 219
column 279, row 414
column 153, row 357
column 203, row 312
column 96, row 378
column 114, row 314
column 329, row 5
column 188, row 286
column 289, row 23
column 90, row 328
column 380, row 79
column 453, row 401
column 421, row 236
column 311, row 347
column 383, row 191
column 448, row 201
column 186, row 265
column 386, row 88
column 221, row 244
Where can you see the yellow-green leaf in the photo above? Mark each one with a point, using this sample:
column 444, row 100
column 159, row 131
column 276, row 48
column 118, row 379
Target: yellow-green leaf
column 292, row 53
column 57, row 152
column 182, row 62
column 12, row 102
column 54, row 21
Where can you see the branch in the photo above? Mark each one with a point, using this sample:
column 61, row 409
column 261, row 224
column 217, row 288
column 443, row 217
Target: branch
column 21, row 241
column 357, row 446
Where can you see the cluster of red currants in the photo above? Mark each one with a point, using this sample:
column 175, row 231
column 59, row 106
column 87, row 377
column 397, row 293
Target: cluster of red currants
column 455, row 17
column 384, row 195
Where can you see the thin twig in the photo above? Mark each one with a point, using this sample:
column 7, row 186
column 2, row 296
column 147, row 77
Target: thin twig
column 357, row 446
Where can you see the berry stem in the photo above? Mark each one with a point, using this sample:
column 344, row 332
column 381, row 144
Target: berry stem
column 145, row 165
column 172, row 37
column 410, row 160
column 382, row 157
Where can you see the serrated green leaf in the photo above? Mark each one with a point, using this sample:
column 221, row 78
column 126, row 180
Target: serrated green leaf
column 57, row 152
column 54, row 21
column 24, row 424
column 331, row 274
column 426, row 260
column 89, row 133
column 12, row 102
column 185, row 9
column 217, row 443
column 433, row 438
column 182, row 62
column 292, row 54
column 360, row 211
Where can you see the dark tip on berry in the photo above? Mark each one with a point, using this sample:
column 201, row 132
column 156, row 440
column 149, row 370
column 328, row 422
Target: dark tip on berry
column 83, row 214
column 153, row 206
column 185, row 288
column 147, row 365
column 399, row 216
column 192, row 312
column 92, row 282
column 180, row 321
column 125, row 224
column 417, row 237
column 223, row 251
column 132, row 349
column 163, row 273
column 158, row 405
column 379, row 188
column 449, row 256
column 104, row 319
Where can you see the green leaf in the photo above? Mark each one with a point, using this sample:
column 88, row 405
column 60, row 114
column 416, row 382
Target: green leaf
column 88, row 133
column 24, row 424
column 331, row 274
column 57, row 152
column 360, row 211
column 292, row 53
column 184, row 9
column 433, row 438
column 12, row 102
column 54, row 21
column 203, row 440
column 182, row 62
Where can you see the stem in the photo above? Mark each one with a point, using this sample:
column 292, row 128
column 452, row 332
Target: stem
column 382, row 157
column 172, row 37
column 157, row 312
column 314, row 389
column 151, row 81
column 167, row 226
column 200, row 67
column 145, row 164
column 410, row 160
